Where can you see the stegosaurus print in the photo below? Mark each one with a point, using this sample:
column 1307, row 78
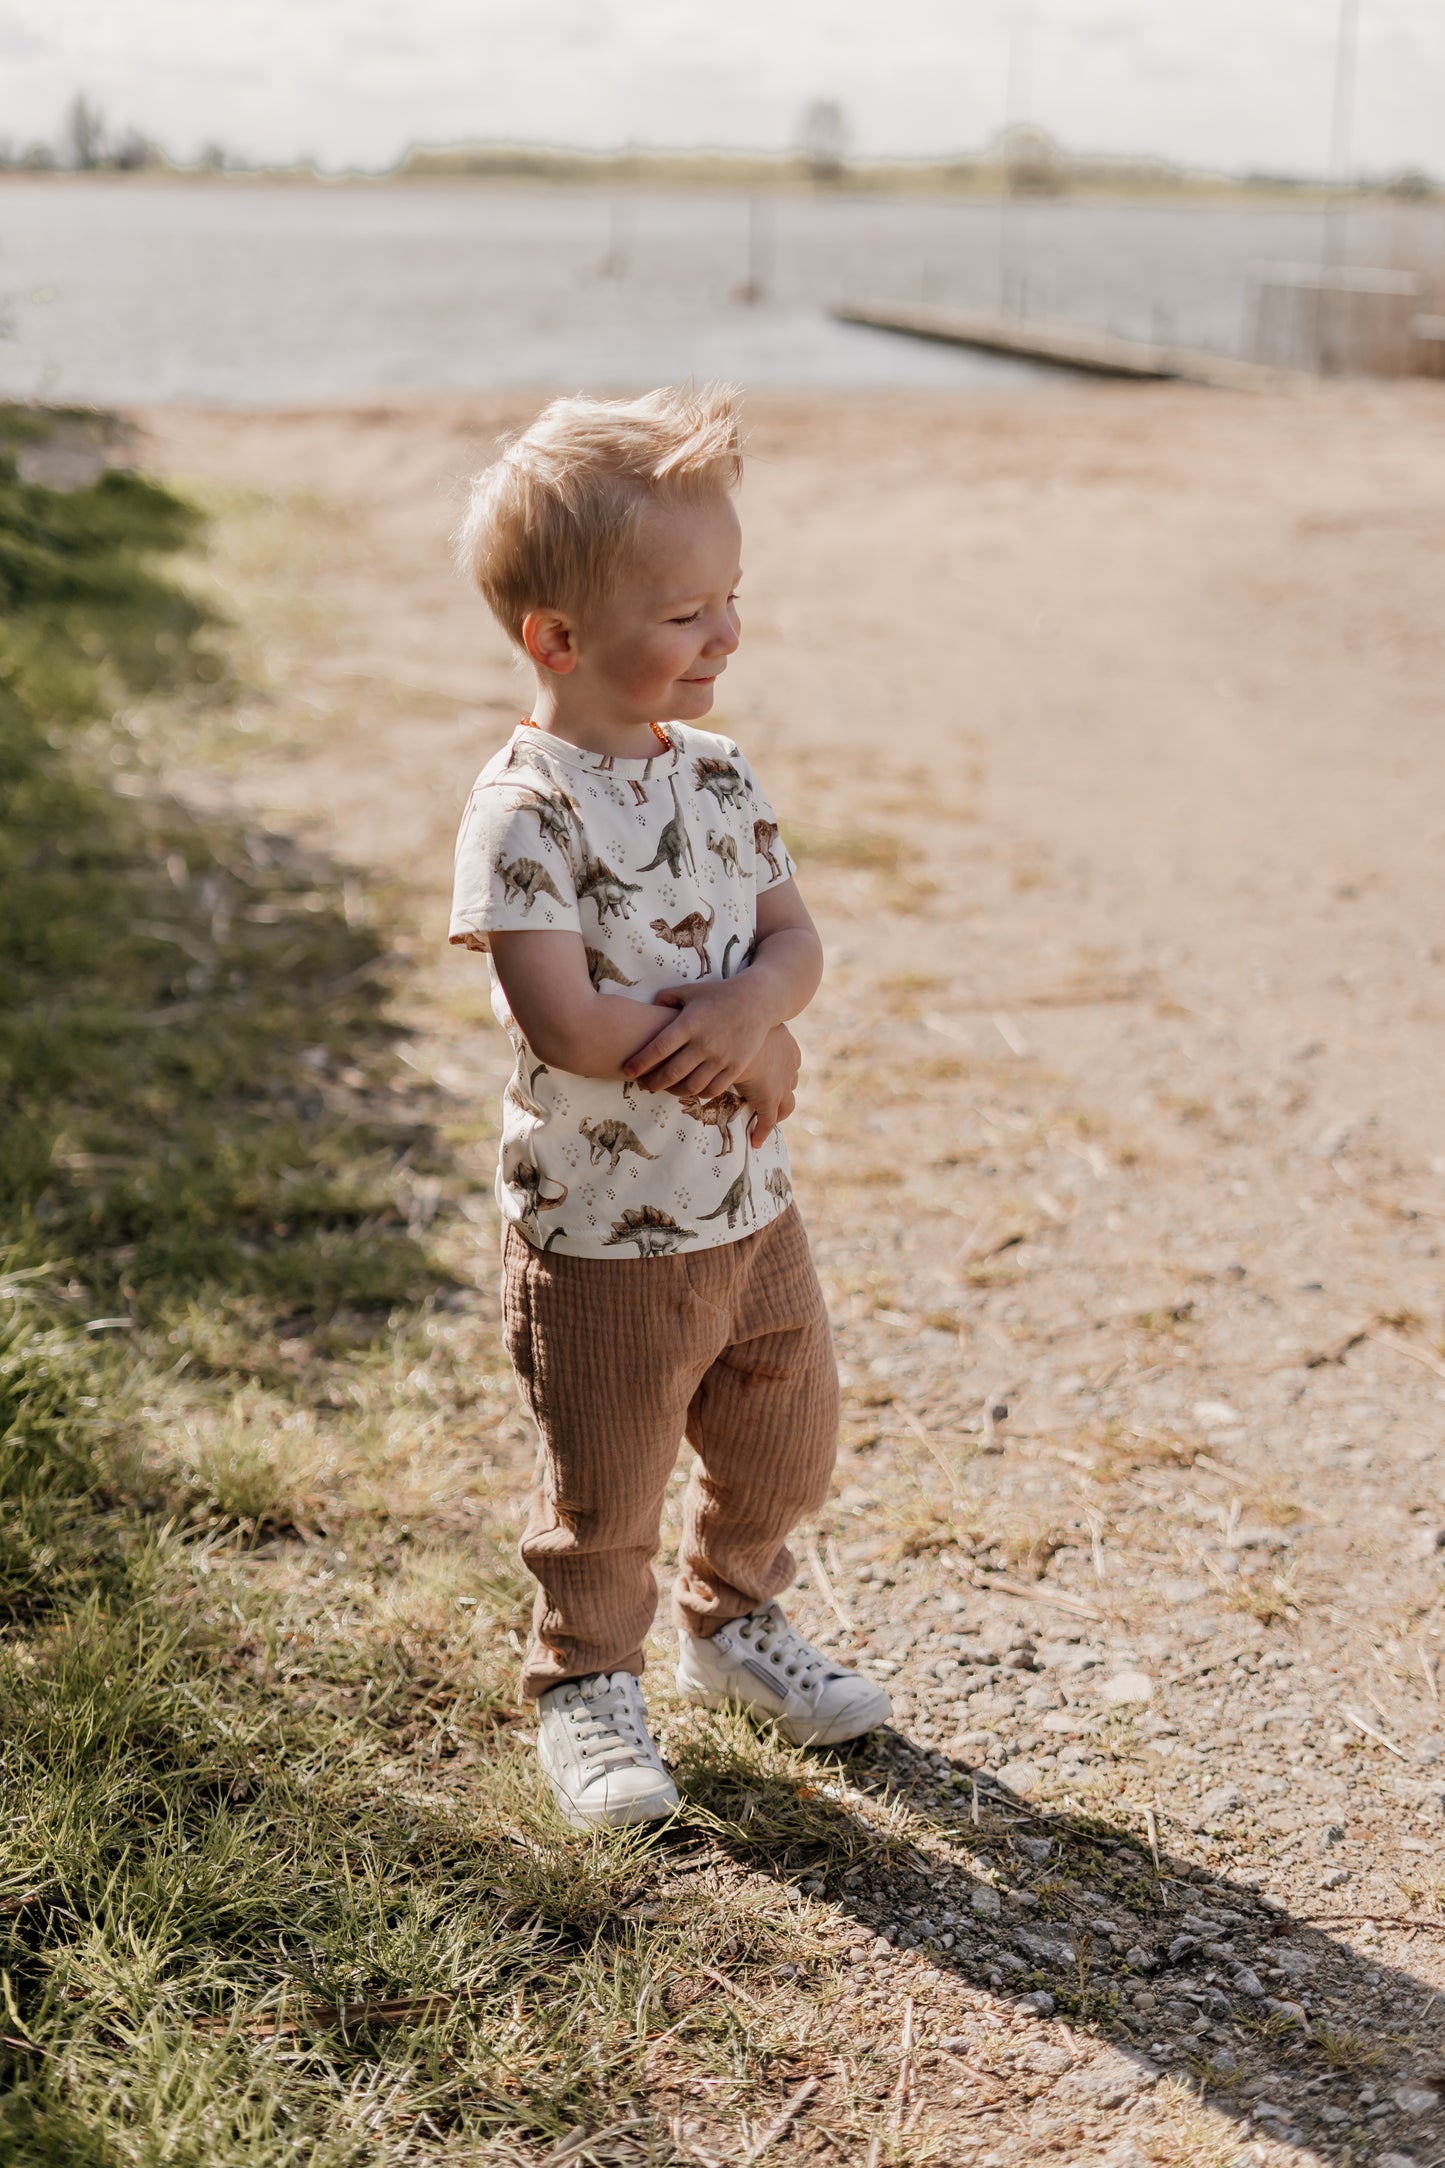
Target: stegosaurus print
column 722, row 778
column 525, row 878
column 609, row 1140
column 607, row 889
column 655, row 1232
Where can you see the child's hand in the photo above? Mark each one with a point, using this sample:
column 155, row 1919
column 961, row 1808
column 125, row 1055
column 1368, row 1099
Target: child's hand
column 770, row 1083
column 717, row 1034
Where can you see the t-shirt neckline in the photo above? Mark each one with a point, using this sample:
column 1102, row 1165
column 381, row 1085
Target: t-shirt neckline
column 662, row 757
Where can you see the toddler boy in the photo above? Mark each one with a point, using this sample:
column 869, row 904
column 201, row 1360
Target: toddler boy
column 623, row 873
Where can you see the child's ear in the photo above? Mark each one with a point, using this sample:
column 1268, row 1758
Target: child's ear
column 548, row 640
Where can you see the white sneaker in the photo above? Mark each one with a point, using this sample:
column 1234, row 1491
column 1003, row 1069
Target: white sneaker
column 597, row 1753
column 760, row 1664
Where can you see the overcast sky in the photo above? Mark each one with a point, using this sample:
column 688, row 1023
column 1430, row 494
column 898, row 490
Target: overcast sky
column 1232, row 82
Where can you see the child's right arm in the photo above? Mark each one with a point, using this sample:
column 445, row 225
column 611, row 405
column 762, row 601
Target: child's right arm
column 563, row 1019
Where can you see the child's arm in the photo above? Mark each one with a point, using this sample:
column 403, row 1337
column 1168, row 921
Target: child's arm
column 562, row 1017
column 721, row 1025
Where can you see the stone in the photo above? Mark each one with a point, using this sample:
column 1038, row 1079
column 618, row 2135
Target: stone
column 1215, row 1414
column 1042, row 2005
column 1112, row 2078
column 1036, row 1849
column 1181, row 1947
column 1021, row 1777
column 1224, row 1799
column 1045, row 1949
column 1249, row 1983
column 1416, row 2099
column 986, row 1902
column 1141, row 1959
column 1127, row 1688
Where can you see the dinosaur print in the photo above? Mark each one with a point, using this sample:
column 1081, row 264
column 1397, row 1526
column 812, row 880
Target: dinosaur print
column 765, row 835
column 689, row 933
column 609, row 1140
column 525, row 1177
column 600, row 967
column 554, row 816
column 655, row 1232
column 525, row 878
column 738, row 1200
column 674, row 844
column 607, row 889
column 714, row 1114
column 523, row 1095
column 779, row 1187
column 732, row 943
column 721, row 778
column 725, row 848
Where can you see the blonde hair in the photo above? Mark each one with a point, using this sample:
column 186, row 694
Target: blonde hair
column 552, row 522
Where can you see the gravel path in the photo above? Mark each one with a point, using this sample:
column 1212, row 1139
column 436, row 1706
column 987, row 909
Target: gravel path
column 1106, row 726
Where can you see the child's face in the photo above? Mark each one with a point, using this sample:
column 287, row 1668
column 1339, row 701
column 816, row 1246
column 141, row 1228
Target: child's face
column 672, row 621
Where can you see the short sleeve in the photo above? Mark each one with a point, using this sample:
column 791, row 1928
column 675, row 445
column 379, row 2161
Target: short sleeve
column 513, row 874
column 771, row 862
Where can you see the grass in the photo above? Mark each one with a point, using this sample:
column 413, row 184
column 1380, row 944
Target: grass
column 278, row 1883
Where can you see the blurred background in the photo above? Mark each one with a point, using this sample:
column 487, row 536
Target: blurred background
column 259, row 204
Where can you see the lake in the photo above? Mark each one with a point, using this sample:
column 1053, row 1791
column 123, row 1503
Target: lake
column 263, row 293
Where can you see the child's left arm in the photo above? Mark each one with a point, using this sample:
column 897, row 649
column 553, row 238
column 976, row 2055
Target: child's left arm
column 722, row 1023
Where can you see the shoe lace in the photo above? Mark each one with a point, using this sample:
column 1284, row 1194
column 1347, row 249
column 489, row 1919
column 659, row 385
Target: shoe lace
column 769, row 1635
column 606, row 1722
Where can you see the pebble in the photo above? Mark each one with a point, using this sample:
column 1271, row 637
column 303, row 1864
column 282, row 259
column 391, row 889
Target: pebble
column 1021, row 1777
column 986, row 1902
column 1416, row 2099
column 1126, row 1687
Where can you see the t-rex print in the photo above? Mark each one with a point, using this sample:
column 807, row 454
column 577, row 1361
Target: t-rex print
column 655, row 1232
column 714, row 1114
column 525, row 1178
column 600, row 967
column 777, row 1185
column 523, row 1095
column 689, row 933
column 607, row 889
column 609, row 1140
column 738, row 1200
column 674, row 844
column 765, row 835
column 721, row 778
column 525, row 878
column 725, row 847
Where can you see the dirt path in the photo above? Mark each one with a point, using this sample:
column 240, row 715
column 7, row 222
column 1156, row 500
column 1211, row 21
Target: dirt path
column 1107, row 725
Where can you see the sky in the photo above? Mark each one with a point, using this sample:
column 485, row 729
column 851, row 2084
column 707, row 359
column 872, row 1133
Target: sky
column 1231, row 83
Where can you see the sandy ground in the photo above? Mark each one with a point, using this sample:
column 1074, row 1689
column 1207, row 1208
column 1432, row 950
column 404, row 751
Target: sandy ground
column 1107, row 724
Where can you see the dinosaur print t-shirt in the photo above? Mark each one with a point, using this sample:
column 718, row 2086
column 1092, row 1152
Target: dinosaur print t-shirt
column 658, row 865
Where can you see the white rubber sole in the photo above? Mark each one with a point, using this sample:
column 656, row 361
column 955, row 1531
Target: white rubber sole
column 797, row 1732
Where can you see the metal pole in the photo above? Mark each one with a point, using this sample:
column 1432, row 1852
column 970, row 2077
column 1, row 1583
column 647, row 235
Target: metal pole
column 1332, row 251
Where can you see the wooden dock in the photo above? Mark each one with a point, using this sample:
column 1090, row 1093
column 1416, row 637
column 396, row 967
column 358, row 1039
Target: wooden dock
column 1062, row 346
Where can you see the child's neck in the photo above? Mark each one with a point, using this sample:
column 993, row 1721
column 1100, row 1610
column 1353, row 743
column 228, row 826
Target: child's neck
column 579, row 723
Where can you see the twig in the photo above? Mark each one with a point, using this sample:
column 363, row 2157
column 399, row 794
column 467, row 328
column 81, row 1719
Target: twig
column 1009, row 1032
column 1403, row 1347
column 1151, row 1824
column 792, row 2109
column 850, row 1625
column 1369, row 1919
column 1037, row 1594
column 922, row 1435
column 1337, row 1350
column 975, row 1802
column 578, row 2141
column 1427, row 1665
column 904, row 2087
column 875, row 2151
column 1351, row 1716
column 731, row 1987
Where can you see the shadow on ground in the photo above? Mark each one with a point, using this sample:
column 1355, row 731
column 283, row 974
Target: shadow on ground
column 1166, row 1967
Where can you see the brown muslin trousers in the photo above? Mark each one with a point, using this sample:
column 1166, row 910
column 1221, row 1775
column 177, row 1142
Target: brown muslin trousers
column 617, row 1360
